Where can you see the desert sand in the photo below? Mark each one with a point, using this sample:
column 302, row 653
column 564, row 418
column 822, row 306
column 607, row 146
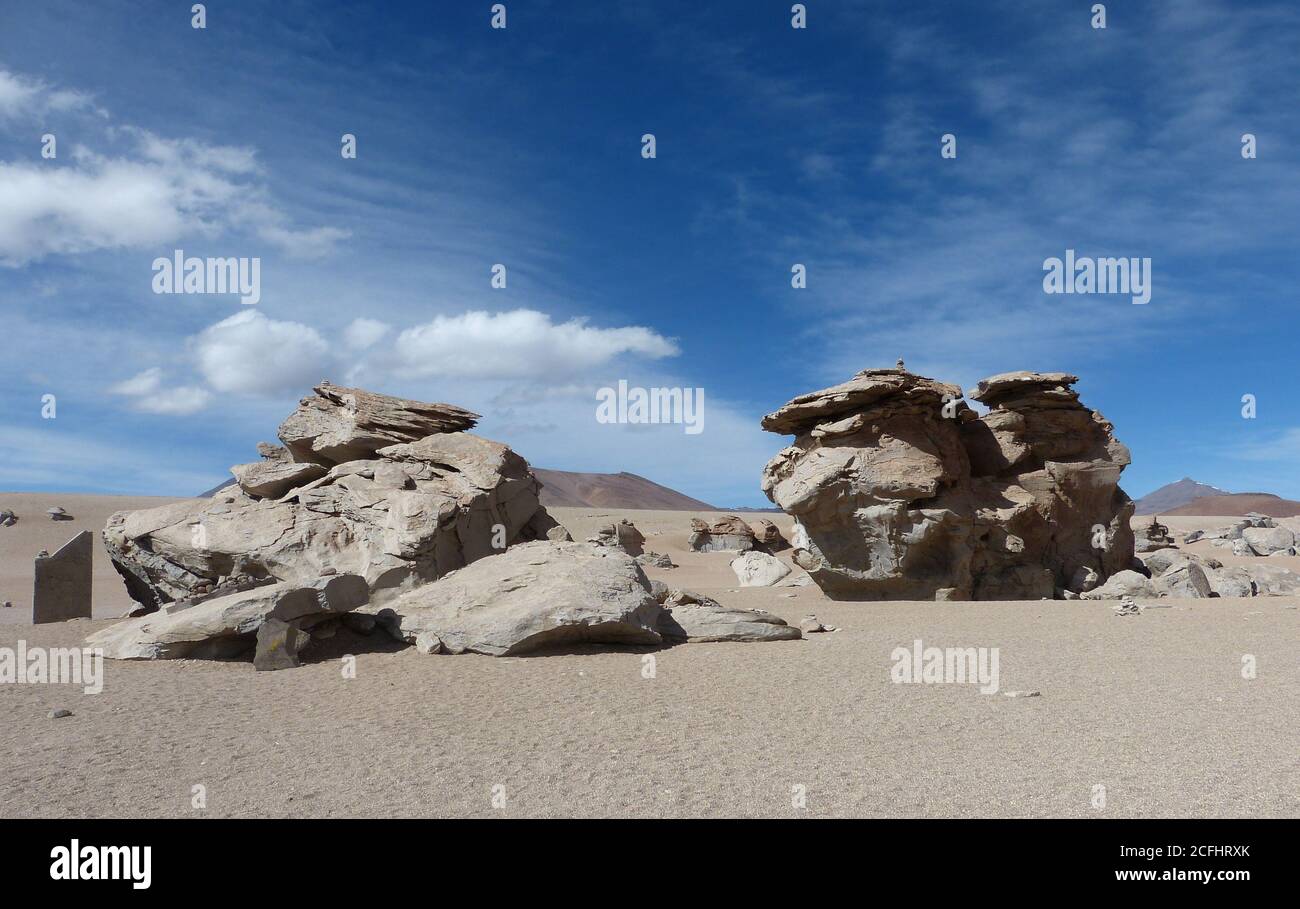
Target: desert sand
column 1152, row 707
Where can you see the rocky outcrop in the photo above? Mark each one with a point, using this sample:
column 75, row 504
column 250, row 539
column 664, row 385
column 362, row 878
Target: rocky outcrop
column 727, row 534
column 400, row 510
column 228, row 625
column 901, row 491
column 530, row 597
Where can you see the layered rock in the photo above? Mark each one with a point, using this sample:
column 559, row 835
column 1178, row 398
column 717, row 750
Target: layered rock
column 901, row 491
column 414, row 499
column 225, row 626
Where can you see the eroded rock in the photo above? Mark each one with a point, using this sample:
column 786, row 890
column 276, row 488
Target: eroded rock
column 900, row 491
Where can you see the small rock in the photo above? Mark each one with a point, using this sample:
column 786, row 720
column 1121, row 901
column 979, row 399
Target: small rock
column 58, row 713
column 428, row 642
column 1022, row 694
column 58, row 514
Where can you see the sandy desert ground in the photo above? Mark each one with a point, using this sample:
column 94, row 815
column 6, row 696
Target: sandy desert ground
column 1152, row 707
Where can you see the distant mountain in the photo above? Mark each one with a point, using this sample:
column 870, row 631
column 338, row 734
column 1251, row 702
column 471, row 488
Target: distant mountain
column 1237, row 504
column 611, row 490
column 216, row 489
column 1174, row 495
column 567, row 489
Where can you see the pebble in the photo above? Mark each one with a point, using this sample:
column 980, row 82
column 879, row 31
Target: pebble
column 1022, row 694
column 58, row 713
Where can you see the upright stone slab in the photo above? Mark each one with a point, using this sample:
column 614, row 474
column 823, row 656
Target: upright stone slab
column 63, row 582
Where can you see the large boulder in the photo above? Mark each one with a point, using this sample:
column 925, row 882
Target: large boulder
column 621, row 535
column 729, row 533
column 227, row 624
column 531, row 597
column 1265, row 541
column 1126, row 583
column 758, row 569
column 902, row 492
column 690, row 618
column 400, row 515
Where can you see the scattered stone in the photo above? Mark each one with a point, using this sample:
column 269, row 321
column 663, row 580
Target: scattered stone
column 8, row 519
column 1122, row 585
column 63, row 581
column 810, row 625
column 758, row 569
column 691, row 618
column 1022, row 694
column 1126, row 607
column 656, row 560
column 58, row 514
column 278, row 645
column 727, row 534
column 531, row 597
column 58, row 713
column 902, row 492
column 428, row 643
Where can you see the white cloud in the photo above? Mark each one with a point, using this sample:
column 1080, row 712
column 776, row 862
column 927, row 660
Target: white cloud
column 251, row 354
column 517, row 344
column 363, row 333
column 150, row 191
column 149, row 395
column 26, row 97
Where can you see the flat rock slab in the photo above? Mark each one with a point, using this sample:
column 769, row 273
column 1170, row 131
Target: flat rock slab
column 181, row 630
column 531, row 597
column 63, row 582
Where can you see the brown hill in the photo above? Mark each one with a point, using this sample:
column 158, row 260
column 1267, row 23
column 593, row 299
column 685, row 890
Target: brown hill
column 611, row 490
column 567, row 489
column 1236, row 504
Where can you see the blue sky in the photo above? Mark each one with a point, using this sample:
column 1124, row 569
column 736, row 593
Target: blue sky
column 522, row 146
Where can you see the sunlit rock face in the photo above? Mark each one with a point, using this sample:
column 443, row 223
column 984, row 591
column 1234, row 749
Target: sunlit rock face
column 903, row 492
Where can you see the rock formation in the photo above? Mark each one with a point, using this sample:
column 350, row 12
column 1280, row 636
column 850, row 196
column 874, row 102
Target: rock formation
column 727, row 534
column 621, row 535
column 901, row 491
column 392, row 490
